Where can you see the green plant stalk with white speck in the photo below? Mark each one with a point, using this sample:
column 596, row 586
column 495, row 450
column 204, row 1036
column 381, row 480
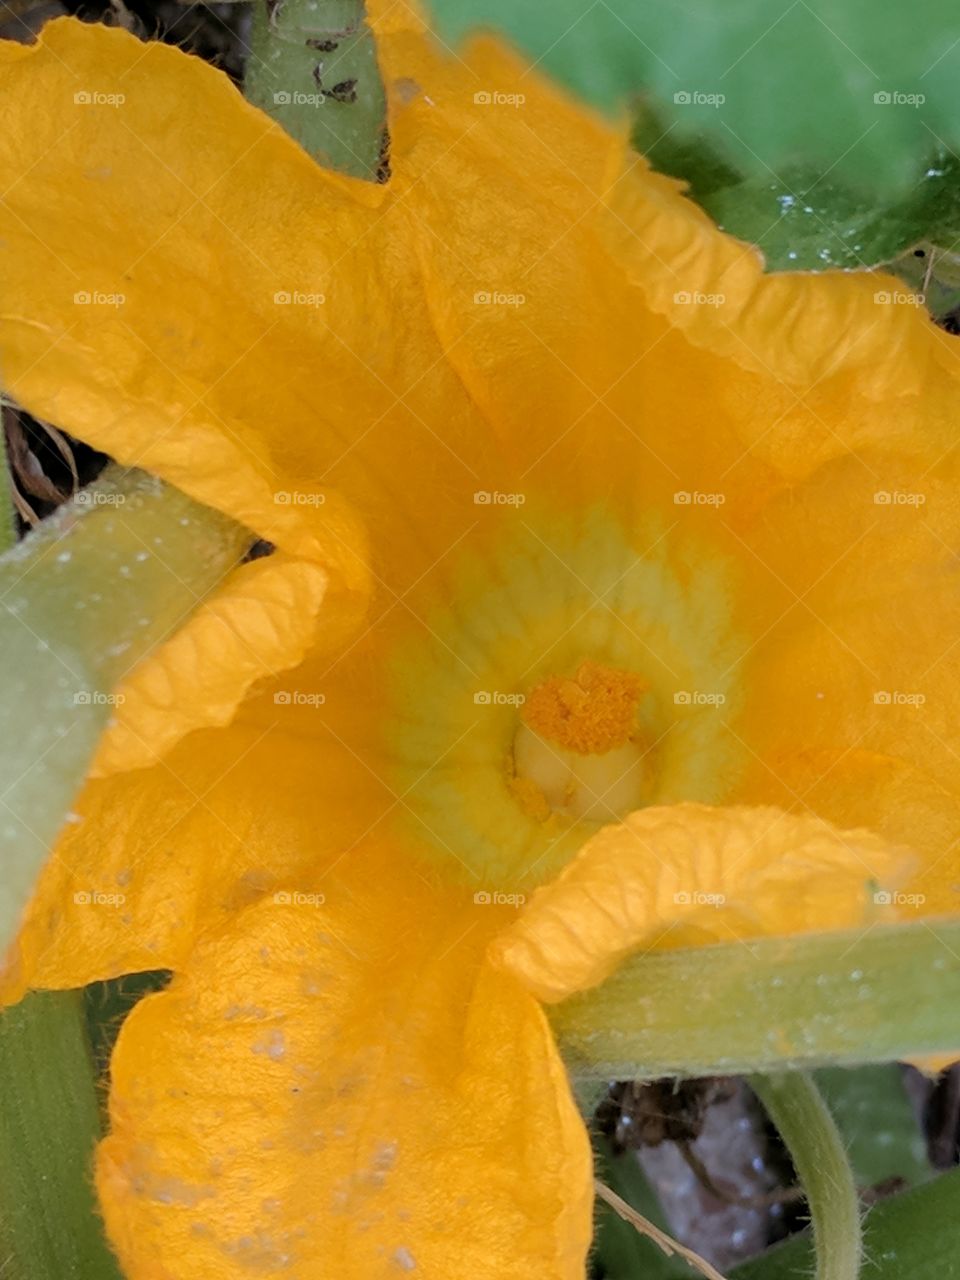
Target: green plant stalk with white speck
column 806, row 1001
column 313, row 68
column 83, row 598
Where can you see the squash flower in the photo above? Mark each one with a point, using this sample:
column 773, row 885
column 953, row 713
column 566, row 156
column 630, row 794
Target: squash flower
column 613, row 606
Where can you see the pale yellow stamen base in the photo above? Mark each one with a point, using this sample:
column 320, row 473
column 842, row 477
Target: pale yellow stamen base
column 579, row 751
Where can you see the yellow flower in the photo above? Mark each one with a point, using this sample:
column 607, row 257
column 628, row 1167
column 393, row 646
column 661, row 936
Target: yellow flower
column 653, row 589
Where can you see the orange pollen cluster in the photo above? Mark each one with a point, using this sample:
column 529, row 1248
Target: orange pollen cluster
column 593, row 712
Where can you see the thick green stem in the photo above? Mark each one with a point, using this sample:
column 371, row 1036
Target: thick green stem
column 313, row 67
column 795, row 1106
column 49, row 1124
column 807, row 1001
column 82, row 599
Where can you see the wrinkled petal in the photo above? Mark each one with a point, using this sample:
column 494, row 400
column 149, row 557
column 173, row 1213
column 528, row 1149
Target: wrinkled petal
column 572, row 222
column 264, row 619
column 707, row 873
column 341, row 1123
column 154, row 857
column 806, row 325
column 149, row 218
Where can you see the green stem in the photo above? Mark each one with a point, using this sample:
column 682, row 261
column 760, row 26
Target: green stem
column 49, row 1124
column 795, row 1106
column 313, row 68
column 83, row 599
column 8, row 519
column 813, row 1000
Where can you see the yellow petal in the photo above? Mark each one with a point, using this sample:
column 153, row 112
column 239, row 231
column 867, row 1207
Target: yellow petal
column 680, row 873
column 345, row 1088
column 150, row 219
column 153, row 857
column 586, row 229
column 804, row 325
column 860, row 667
column 263, row 619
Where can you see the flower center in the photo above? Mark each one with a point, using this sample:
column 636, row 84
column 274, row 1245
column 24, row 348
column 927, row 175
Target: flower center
column 516, row 724
column 580, row 749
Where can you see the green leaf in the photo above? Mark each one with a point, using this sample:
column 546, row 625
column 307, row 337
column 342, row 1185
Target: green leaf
column 877, row 1120
column 622, row 1252
column 798, row 81
column 84, row 597
column 49, row 1124
column 913, row 1236
column 799, row 221
column 877, row 995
